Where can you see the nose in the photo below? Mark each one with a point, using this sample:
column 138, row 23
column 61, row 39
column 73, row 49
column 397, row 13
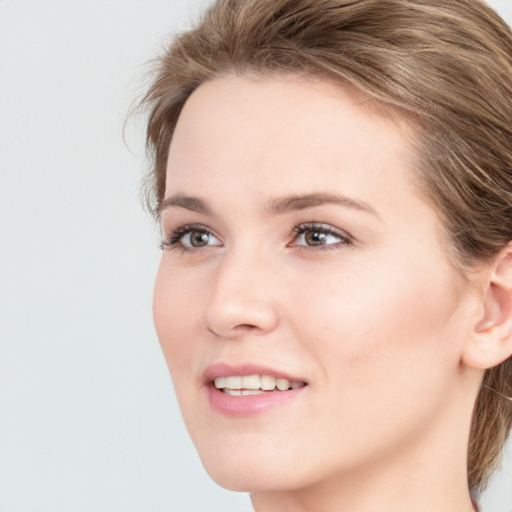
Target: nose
column 241, row 298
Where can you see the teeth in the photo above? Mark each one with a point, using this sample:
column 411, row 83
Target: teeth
column 283, row 384
column 233, row 382
column 253, row 384
column 267, row 383
column 220, row 382
column 243, row 392
column 251, row 392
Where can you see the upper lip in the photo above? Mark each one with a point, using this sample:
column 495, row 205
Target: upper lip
column 227, row 370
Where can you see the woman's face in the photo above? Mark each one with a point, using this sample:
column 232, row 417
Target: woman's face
column 297, row 248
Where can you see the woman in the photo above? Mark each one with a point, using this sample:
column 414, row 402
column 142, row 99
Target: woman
column 334, row 183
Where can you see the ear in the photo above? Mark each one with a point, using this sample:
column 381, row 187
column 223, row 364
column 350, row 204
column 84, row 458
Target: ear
column 491, row 337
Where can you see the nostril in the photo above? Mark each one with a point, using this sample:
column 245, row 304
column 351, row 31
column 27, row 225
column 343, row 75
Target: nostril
column 245, row 327
column 237, row 329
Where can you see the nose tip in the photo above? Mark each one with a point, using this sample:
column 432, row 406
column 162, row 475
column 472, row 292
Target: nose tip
column 228, row 323
column 241, row 302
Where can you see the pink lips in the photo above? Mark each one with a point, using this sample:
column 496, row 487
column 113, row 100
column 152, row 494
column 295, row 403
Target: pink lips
column 248, row 405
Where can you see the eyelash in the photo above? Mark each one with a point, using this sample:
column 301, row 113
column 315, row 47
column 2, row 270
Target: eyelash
column 175, row 240
column 345, row 239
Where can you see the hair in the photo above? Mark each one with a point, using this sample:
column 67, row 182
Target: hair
column 445, row 64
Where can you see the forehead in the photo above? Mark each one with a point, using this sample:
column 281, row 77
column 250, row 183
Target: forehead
column 289, row 133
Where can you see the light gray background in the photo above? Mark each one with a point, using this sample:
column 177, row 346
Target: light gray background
column 88, row 421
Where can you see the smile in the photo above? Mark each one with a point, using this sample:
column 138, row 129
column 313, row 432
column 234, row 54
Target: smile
column 247, row 390
column 254, row 384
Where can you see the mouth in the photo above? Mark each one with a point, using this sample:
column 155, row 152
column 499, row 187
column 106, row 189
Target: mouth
column 245, row 385
column 247, row 390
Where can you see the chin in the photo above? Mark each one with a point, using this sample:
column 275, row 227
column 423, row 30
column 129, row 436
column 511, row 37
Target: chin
column 250, row 479
column 240, row 471
column 256, row 470
column 234, row 481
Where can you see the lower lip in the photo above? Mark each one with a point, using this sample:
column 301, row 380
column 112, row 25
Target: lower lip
column 249, row 405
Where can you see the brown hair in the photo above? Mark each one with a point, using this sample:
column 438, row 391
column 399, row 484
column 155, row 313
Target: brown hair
column 446, row 63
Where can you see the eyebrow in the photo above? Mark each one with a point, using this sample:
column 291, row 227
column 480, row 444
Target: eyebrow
column 194, row 204
column 276, row 206
column 301, row 202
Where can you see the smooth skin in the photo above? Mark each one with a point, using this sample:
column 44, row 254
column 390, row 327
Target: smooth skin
column 353, row 290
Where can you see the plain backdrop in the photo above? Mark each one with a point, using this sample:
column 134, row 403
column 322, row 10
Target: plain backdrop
column 88, row 420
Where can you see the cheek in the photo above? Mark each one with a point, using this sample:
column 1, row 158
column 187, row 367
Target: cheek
column 379, row 329
column 175, row 305
column 385, row 343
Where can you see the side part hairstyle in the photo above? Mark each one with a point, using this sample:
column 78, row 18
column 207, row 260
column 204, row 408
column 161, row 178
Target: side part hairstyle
column 445, row 65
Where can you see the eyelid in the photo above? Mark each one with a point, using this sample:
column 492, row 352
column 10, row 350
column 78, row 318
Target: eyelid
column 174, row 239
column 346, row 239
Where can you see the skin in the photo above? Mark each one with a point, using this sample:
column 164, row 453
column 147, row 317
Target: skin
column 376, row 320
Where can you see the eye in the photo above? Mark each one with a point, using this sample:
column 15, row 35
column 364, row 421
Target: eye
column 314, row 235
column 191, row 237
column 197, row 239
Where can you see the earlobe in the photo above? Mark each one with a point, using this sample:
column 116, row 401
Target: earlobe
column 491, row 340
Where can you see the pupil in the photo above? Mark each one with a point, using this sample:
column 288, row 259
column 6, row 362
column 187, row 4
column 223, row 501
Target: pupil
column 315, row 238
column 199, row 239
